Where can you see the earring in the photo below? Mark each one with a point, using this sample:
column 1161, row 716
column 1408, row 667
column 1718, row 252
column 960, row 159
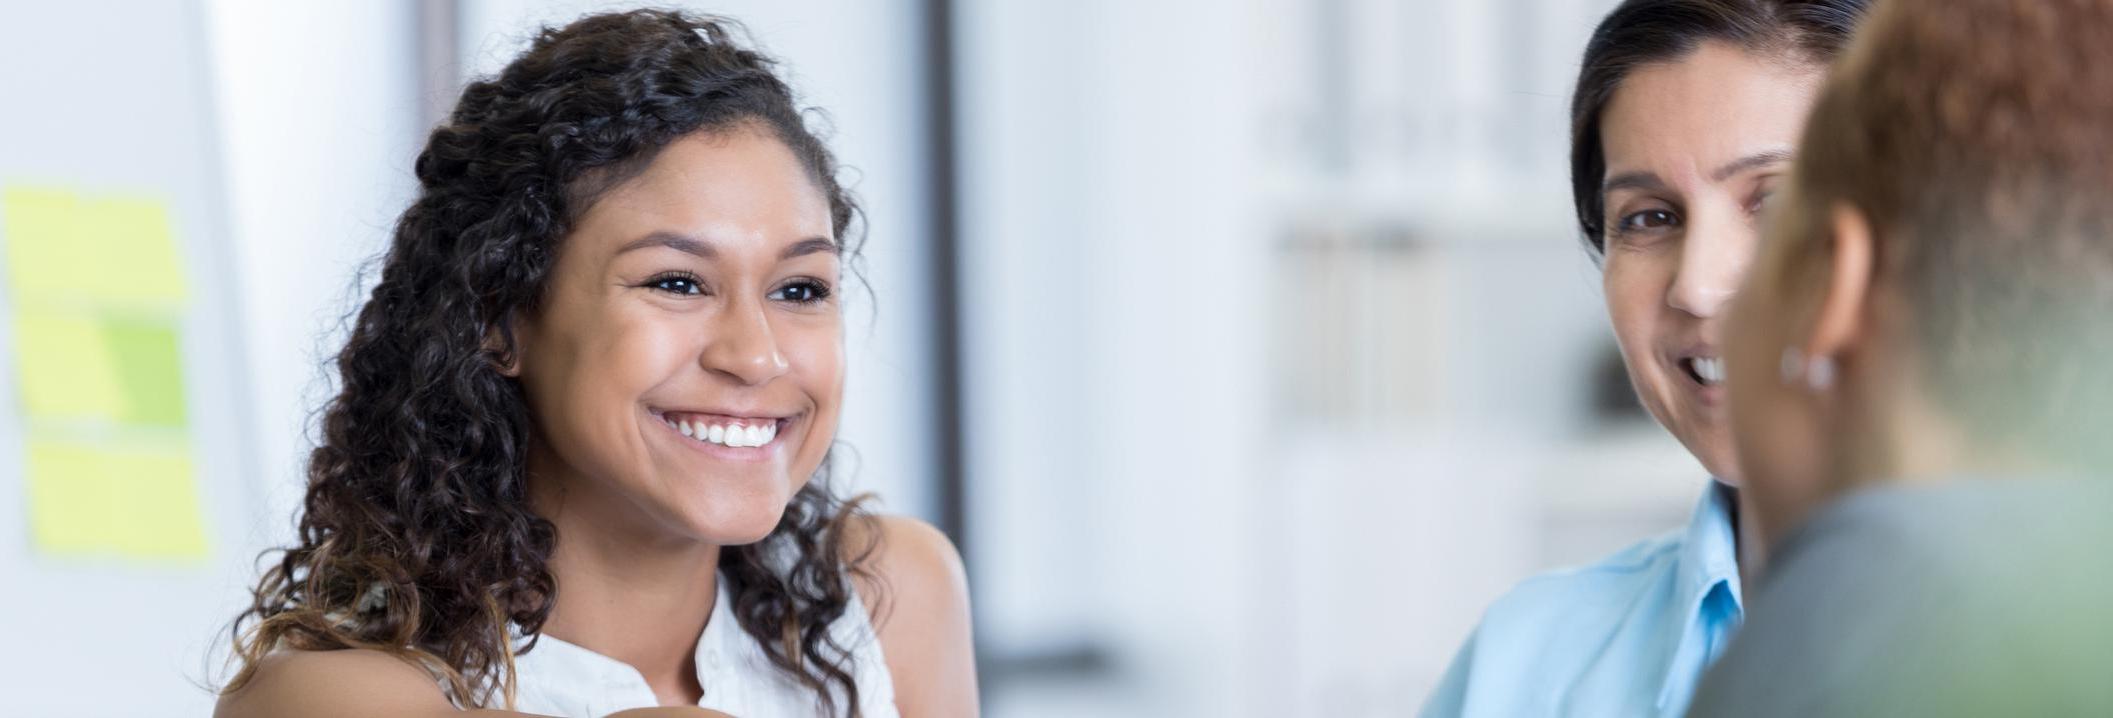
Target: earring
column 1819, row 374
column 1816, row 373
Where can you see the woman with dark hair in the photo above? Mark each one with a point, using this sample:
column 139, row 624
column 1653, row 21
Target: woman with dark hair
column 577, row 462
column 1685, row 119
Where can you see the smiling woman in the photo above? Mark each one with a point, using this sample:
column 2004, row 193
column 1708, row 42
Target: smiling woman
column 578, row 462
column 1685, row 120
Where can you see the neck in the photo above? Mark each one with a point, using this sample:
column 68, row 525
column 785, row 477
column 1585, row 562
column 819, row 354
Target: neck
column 1746, row 534
column 1900, row 437
column 630, row 593
column 1926, row 449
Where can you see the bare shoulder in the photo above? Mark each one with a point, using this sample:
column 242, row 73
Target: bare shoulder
column 907, row 563
column 325, row 684
column 916, row 591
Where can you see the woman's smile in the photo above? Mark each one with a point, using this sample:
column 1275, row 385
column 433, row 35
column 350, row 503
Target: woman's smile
column 1701, row 372
column 731, row 436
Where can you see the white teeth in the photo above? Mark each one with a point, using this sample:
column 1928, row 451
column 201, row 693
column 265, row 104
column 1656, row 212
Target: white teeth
column 734, row 435
column 1711, row 370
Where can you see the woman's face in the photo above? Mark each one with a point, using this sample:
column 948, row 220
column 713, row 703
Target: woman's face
column 1693, row 148
column 687, row 362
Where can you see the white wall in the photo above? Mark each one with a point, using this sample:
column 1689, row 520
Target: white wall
column 282, row 144
column 1117, row 368
column 1269, row 484
column 318, row 124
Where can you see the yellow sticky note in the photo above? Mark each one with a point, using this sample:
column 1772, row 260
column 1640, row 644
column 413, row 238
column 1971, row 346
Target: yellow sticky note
column 138, row 250
column 45, row 252
column 129, row 500
column 108, row 250
column 85, row 367
column 67, row 368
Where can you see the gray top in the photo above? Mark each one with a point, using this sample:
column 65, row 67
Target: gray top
column 1963, row 598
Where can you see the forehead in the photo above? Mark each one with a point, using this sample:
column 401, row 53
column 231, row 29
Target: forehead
column 727, row 185
column 1713, row 105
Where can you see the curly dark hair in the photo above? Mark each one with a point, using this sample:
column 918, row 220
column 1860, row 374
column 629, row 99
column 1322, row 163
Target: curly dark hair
column 416, row 536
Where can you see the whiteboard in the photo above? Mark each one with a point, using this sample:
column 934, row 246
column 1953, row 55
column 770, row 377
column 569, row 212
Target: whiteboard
column 116, row 100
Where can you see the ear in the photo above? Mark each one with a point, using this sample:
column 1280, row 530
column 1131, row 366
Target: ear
column 502, row 348
column 1851, row 249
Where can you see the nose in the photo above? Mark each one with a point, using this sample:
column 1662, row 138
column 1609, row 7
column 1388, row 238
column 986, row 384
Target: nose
column 743, row 347
column 1713, row 259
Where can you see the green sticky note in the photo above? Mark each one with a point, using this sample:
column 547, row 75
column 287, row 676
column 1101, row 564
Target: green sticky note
column 149, row 371
column 107, row 250
column 128, row 500
column 84, row 367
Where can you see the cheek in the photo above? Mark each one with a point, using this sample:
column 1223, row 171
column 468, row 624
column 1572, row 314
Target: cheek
column 1635, row 286
column 817, row 357
column 622, row 355
column 815, row 352
column 593, row 375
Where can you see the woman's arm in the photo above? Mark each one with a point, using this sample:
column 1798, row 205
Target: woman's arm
column 920, row 609
column 354, row 683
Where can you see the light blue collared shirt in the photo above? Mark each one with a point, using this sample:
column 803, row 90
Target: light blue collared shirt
column 1628, row 636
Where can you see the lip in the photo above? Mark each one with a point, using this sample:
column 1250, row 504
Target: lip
column 737, row 454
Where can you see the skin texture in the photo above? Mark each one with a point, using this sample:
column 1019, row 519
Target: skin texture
column 1815, row 290
column 706, row 284
column 1694, row 147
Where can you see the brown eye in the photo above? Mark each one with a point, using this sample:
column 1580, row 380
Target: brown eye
column 803, row 291
column 1647, row 220
column 682, row 284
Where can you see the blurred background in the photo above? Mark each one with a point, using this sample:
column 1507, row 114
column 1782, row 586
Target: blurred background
column 1246, row 347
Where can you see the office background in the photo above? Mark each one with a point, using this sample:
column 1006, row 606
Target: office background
column 1246, row 346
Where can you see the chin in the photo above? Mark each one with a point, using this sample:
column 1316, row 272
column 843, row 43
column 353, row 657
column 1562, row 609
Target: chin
column 1712, row 447
column 1724, row 469
column 735, row 521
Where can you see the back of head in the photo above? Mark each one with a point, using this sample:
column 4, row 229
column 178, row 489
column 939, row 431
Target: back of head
column 1975, row 136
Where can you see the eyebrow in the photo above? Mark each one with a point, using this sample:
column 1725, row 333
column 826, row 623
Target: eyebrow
column 810, row 245
column 1750, row 162
column 704, row 250
column 678, row 242
column 1650, row 182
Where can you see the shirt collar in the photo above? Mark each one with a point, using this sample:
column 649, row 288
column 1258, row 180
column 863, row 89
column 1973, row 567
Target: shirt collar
column 1709, row 558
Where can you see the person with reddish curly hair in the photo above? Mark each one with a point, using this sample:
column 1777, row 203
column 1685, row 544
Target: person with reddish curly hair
column 1918, row 378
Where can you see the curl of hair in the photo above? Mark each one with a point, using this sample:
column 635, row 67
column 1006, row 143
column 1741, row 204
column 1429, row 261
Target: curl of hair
column 416, row 535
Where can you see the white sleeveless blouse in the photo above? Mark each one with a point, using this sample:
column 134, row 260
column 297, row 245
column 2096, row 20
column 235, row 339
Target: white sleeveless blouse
column 562, row 679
